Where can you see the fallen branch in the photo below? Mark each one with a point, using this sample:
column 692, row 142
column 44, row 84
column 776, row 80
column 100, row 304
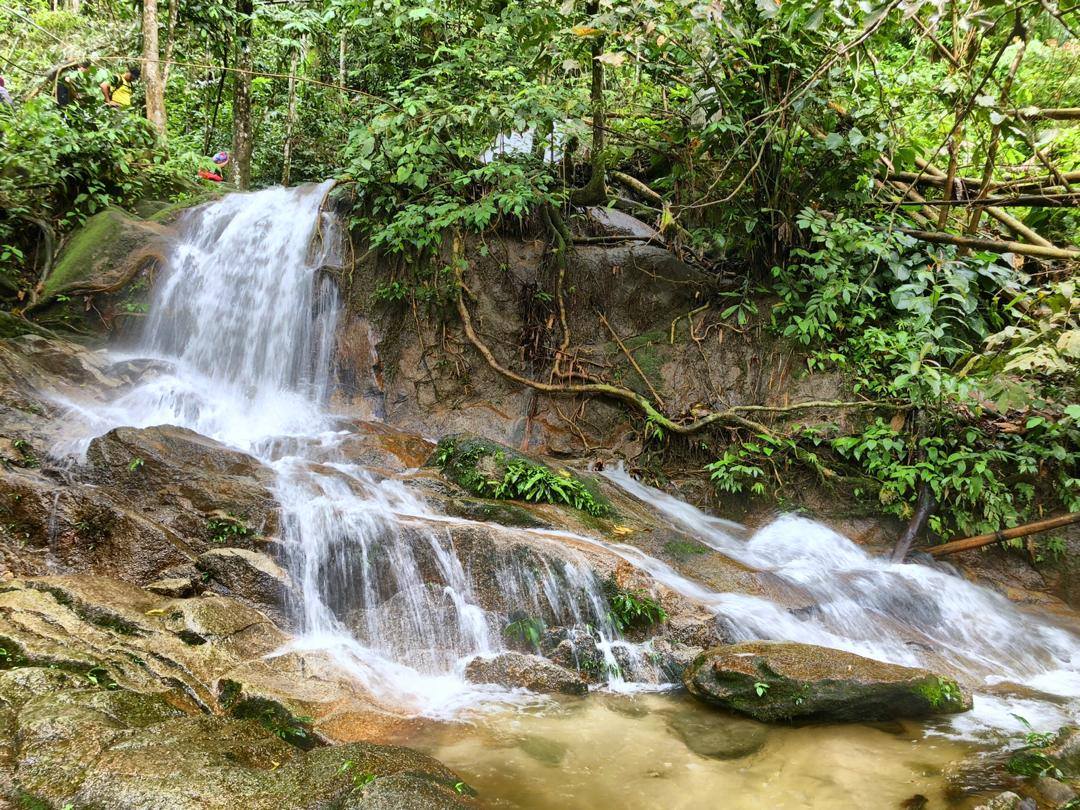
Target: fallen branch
column 1004, row 534
column 1051, row 114
column 1031, row 185
column 1035, row 183
column 634, row 184
column 924, row 506
column 1023, row 200
column 994, row 245
column 615, row 239
column 1009, row 221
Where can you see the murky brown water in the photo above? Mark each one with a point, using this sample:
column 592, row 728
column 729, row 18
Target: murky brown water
column 614, row 751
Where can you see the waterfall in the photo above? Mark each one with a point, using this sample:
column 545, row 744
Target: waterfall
column 241, row 329
column 241, row 326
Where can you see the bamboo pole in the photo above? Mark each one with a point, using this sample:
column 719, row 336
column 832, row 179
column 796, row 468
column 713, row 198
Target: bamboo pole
column 1010, row 222
column 1051, row 114
column 1001, row 535
column 1052, row 200
column 1031, row 184
column 994, row 245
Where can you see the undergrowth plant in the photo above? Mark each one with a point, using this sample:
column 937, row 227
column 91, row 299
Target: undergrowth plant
column 993, row 435
column 632, row 610
column 489, row 471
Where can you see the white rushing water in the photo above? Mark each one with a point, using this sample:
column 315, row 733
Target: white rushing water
column 241, row 327
column 906, row 613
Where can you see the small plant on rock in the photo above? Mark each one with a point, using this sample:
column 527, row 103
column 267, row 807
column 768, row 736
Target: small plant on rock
column 525, row 631
column 633, row 610
column 225, row 529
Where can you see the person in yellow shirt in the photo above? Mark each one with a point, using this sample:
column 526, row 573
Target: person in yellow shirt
column 118, row 92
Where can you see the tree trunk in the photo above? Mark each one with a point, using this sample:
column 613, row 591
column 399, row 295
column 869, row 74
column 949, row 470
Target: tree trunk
column 291, row 115
column 924, row 506
column 995, row 245
column 151, row 74
column 341, row 66
column 594, row 191
column 242, row 134
column 170, row 40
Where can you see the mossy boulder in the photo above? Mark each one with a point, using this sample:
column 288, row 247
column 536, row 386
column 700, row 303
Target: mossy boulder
column 102, row 276
column 488, row 469
column 99, row 255
column 773, row 681
column 90, row 747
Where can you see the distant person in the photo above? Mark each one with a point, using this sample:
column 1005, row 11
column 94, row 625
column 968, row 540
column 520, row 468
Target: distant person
column 5, row 96
column 119, row 91
column 70, row 84
column 221, row 160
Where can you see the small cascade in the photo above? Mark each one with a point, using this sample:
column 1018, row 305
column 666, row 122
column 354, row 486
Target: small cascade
column 241, row 334
column 240, row 346
column 905, row 613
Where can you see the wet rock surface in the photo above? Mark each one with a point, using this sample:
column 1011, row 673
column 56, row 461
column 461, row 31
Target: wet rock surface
column 784, row 680
column 83, row 745
column 530, row 672
column 251, row 575
column 718, row 736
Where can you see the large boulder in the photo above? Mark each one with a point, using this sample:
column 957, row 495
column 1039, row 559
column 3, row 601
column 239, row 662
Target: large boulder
column 102, row 275
column 785, row 680
column 169, row 466
column 85, row 746
column 515, row 669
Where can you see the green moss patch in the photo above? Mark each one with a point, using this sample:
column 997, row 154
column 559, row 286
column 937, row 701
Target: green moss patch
column 685, row 549
column 488, row 469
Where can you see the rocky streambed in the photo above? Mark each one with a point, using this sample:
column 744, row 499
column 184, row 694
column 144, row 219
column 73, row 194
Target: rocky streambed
column 227, row 580
column 149, row 655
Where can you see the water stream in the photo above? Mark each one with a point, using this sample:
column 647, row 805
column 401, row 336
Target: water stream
column 241, row 327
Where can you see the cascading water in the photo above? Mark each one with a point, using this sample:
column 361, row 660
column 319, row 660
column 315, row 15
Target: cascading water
column 241, row 330
column 910, row 614
column 241, row 327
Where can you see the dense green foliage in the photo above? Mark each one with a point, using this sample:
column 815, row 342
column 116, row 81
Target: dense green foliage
column 632, row 610
column 943, row 338
column 761, row 133
column 490, row 470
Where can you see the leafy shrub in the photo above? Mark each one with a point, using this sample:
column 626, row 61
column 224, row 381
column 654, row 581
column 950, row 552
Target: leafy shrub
column 633, row 610
column 490, row 471
column 58, row 167
column 992, row 434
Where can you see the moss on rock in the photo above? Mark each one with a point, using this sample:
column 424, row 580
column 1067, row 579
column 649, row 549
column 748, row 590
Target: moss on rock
column 114, row 748
column 97, row 254
column 773, row 681
column 488, row 469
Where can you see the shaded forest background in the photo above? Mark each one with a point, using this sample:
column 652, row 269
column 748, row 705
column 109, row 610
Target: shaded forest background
column 892, row 187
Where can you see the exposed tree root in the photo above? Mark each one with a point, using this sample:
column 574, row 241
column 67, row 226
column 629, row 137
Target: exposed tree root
column 731, row 416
